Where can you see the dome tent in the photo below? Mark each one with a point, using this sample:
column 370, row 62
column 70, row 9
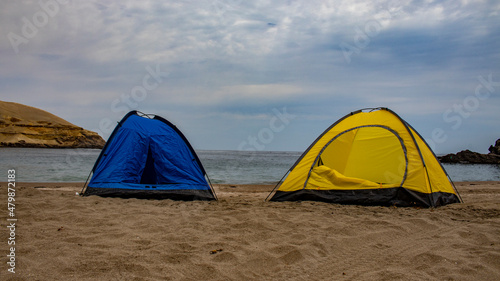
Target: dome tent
column 146, row 156
column 368, row 157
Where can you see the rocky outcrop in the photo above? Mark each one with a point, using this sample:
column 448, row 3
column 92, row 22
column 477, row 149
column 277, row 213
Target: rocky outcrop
column 26, row 126
column 469, row 157
column 496, row 148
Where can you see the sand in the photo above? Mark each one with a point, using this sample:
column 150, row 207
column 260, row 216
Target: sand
column 61, row 236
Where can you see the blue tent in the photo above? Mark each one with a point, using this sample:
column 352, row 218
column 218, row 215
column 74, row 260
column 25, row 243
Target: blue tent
column 148, row 157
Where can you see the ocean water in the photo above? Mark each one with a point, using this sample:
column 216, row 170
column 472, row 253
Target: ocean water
column 223, row 167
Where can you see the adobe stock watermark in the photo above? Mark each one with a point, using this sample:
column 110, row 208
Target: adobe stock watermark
column 30, row 26
column 227, row 15
column 456, row 114
column 265, row 136
column 363, row 35
column 222, row 7
column 11, row 220
column 397, row 176
column 277, row 124
column 129, row 101
column 122, row 104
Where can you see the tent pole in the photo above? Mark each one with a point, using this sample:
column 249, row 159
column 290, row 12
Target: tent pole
column 453, row 184
column 212, row 188
column 85, row 185
column 277, row 185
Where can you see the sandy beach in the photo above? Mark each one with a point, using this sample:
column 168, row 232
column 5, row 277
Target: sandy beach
column 62, row 236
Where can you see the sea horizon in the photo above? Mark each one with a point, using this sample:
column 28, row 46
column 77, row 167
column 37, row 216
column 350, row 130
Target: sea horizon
column 222, row 166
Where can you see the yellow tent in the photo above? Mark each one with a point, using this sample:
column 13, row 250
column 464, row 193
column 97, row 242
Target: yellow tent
column 369, row 157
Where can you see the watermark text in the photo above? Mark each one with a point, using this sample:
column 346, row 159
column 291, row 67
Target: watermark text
column 30, row 27
column 457, row 113
column 11, row 220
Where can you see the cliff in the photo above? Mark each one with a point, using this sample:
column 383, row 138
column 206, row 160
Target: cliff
column 26, row 126
column 470, row 157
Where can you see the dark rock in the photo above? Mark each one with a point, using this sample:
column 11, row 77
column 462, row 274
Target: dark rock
column 469, row 157
column 496, row 148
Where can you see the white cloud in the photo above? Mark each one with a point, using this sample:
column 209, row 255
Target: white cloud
column 232, row 95
column 257, row 92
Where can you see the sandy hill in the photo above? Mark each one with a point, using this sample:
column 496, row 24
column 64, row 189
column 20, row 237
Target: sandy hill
column 26, row 126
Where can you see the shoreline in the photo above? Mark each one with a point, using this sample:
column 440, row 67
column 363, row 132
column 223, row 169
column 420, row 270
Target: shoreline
column 229, row 187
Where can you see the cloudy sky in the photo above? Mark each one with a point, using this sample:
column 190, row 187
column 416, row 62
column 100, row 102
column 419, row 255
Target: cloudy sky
column 265, row 75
